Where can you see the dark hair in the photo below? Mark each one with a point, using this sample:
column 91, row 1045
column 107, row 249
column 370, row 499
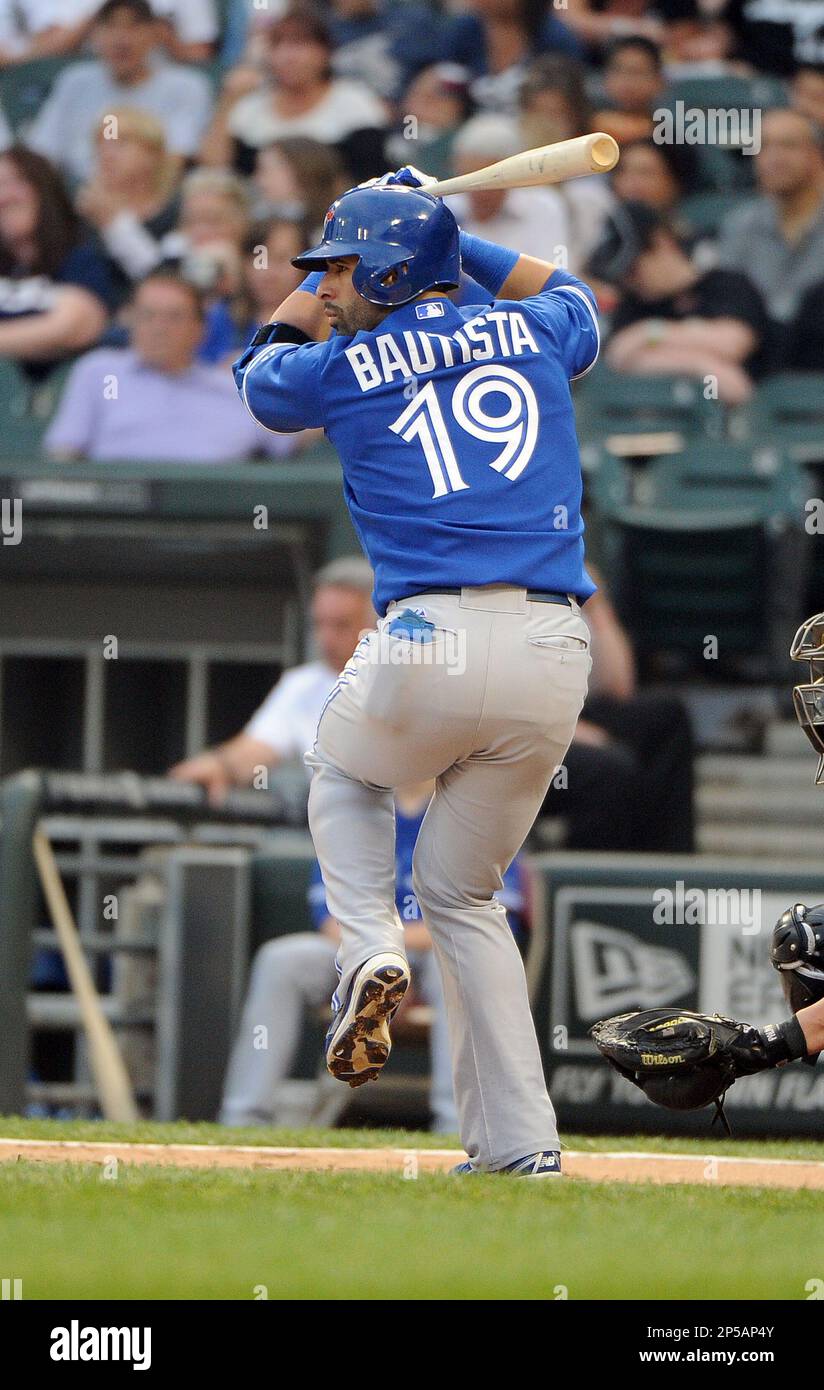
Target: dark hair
column 260, row 232
column 59, row 227
column 681, row 161
column 319, row 169
column 170, row 276
column 305, row 17
column 646, row 45
column 140, row 9
column 559, row 73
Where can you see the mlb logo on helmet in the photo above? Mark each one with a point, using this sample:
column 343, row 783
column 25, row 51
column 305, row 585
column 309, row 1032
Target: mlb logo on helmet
column 432, row 310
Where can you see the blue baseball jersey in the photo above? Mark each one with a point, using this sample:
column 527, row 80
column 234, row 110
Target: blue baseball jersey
column 513, row 895
column 456, row 436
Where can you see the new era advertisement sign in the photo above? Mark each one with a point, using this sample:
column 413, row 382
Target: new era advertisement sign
column 654, row 933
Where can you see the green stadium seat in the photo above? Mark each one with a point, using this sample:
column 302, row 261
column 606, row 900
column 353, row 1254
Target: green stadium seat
column 789, row 409
column 25, row 86
column 610, row 404
column 280, row 879
column 26, row 410
column 727, row 91
column 691, row 554
column 705, row 212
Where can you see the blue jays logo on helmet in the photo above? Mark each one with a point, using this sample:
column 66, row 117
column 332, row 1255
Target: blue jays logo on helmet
column 406, row 242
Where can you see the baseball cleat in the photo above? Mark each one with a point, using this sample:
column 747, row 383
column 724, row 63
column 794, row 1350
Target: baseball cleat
column 541, row 1165
column 358, row 1042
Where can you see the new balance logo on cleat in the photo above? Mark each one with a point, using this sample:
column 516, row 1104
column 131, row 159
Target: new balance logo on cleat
column 541, row 1165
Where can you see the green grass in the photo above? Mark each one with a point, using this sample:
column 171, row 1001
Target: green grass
column 185, row 1132
column 69, row 1232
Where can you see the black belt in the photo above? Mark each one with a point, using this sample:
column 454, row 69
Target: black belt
column 531, row 594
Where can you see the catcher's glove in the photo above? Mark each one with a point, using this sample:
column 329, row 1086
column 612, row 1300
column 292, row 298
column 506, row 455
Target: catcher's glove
column 682, row 1060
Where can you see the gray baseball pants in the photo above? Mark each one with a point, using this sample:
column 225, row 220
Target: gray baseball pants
column 488, row 708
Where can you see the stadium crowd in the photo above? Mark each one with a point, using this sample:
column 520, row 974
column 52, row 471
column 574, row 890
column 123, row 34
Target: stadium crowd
column 186, row 149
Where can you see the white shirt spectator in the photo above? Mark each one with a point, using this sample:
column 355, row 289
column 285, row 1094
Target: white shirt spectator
column 64, row 130
column 23, row 20
column 346, row 107
column 288, row 718
column 532, row 221
column 194, row 21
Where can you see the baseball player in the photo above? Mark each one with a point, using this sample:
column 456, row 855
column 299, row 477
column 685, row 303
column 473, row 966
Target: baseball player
column 461, row 472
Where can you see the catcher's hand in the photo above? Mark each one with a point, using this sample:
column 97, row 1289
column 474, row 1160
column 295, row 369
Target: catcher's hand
column 679, row 1059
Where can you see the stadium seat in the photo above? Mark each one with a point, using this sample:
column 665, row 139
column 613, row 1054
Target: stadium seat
column 727, row 91
column 25, row 86
column 623, row 410
column 692, row 555
column 787, row 408
column 705, row 212
column 26, row 409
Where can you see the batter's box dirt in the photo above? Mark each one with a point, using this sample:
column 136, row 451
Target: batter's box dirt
column 591, row 1167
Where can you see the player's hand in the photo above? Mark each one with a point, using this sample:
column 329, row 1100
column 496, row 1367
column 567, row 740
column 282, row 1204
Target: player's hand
column 208, row 770
column 407, row 177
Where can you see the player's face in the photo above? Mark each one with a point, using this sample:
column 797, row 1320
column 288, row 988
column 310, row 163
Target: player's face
column 345, row 309
column 339, row 617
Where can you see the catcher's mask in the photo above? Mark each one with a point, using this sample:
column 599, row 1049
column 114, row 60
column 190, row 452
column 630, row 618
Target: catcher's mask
column 797, row 952
column 808, row 698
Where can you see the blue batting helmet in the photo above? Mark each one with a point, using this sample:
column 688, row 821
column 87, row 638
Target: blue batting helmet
column 390, row 228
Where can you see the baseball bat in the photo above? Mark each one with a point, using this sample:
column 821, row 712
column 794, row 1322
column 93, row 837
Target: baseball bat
column 110, row 1076
column 568, row 159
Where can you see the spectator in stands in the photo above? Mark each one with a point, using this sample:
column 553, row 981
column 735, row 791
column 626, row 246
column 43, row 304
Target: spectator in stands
column 807, row 92
column 600, row 22
column 295, row 972
column 154, row 400
column 629, row 770
column 299, row 96
column 268, row 274
column 495, row 41
column 554, row 106
column 673, row 317
column 530, row 220
column 214, row 223
column 55, row 288
column 779, row 236
column 381, row 43
column 434, row 106
column 124, row 34
column 132, row 196
column 633, row 82
column 187, row 29
column 283, row 728
column 776, row 37
column 298, row 178
column 658, row 175
column 805, row 337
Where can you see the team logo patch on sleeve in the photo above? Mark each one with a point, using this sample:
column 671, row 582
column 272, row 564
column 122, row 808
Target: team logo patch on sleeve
column 431, row 309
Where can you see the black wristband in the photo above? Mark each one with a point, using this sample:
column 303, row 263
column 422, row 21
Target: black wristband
column 783, row 1042
column 279, row 333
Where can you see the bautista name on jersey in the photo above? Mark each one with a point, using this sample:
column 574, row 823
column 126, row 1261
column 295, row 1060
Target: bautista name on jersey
column 497, row 333
column 455, row 432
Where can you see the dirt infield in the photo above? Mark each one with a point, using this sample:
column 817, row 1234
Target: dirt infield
column 591, row 1167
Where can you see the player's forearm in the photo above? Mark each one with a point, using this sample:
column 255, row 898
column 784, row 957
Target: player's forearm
column 503, row 272
column 302, row 309
column 811, row 1022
